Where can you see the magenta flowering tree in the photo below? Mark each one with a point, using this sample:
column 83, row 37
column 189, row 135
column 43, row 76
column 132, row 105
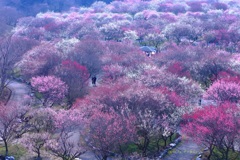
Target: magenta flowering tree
column 216, row 127
column 52, row 88
column 75, row 76
column 179, row 69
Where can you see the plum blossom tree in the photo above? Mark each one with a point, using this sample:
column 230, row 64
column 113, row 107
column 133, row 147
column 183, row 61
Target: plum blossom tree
column 41, row 120
column 35, row 142
column 52, row 88
column 40, row 60
column 10, row 123
column 66, row 46
column 11, row 49
column 216, row 127
column 40, row 124
column 195, row 6
column 177, row 31
column 87, row 53
column 8, row 19
column 75, row 76
column 179, row 69
column 208, row 72
column 9, row 15
column 107, row 132
column 185, row 88
column 112, row 31
column 155, row 40
column 65, row 143
column 221, row 91
column 220, row 6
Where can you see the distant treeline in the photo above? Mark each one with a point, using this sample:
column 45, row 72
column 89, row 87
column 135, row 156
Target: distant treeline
column 55, row 5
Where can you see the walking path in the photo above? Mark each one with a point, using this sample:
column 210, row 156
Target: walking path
column 20, row 93
column 186, row 150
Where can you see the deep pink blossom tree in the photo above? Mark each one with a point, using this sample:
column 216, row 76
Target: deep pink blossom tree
column 179, row 69
column 75, row 76
column 216, row 127
column 52, row 88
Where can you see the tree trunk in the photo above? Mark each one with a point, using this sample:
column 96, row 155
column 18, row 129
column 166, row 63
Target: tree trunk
column 104, row 157
column 227, row 152
column 2, row 87
column 6, row 147
column 157, row 143
column 38, row 154
column 145, row 146
column 171, row 134
column 210, row 151
column 3, row 78
column 165, row 140
column 121, row 151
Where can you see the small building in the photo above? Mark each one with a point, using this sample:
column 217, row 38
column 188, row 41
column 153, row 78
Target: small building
column 149, row 50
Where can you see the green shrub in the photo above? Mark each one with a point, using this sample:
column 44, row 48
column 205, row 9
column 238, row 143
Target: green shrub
column 17, row 151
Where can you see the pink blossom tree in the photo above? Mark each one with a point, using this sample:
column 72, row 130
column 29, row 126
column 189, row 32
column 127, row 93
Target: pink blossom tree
column 35, row 142
column 107, row 132
column 65, row 143
column 10, row 123
column 180, row 30
column 179, row 69
column 40, row 125
column 216, row 127
column 75, row 76
column 87, row 53
column 221, row 91
column 40, row 60
column 41, row 120
column 184, row 88
column 11, row 50
column 52, row 88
